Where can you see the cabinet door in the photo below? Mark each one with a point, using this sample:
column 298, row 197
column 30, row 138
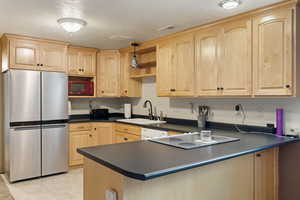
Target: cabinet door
column 164, row 73
column 207, row 62
column 24, row 54
column 272, row 49
column 78, row 140
column 184, row 68
column 73, row 62
column 87, row 62
column 108, row 74
column 266, row 174
column 128, row 87
column 53, row 57
column 236, row 65
column 103, row 133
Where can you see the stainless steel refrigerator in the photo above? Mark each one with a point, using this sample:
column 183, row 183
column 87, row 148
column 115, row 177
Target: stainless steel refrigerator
column 36, row 129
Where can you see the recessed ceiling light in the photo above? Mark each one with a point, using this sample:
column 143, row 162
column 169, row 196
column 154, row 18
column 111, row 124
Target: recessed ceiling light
column 229, row 4
column 71, row 25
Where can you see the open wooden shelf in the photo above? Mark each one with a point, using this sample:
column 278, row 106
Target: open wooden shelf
column 146, row 63
column 143, row 75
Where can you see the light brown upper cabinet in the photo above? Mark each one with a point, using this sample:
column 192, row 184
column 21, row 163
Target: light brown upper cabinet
column 175, row 67
column 82, row 61
column 207, row 54
column 273, row 53
column 53, row 57
column 223, row 60
column 128, row 87
column 108, row 73
column 20, row 52
column 236, row 58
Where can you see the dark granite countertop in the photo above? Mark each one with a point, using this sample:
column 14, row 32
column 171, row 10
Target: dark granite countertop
column 145, row 159
column 82, row 120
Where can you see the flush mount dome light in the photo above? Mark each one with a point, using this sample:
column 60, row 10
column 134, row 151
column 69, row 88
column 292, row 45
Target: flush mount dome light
column 71, row 25
column 229, row 4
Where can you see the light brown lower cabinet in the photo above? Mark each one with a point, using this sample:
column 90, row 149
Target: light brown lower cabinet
column 248, row 177
column 96, row 134
column 266, row 174
column 88, row 134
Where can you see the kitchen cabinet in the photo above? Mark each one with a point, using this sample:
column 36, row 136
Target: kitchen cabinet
column 223, row 60
column 128, row 87
column 175, row 67
column 207, row 53
column 108, row 73
column 28, row 53
column 266, row 174
column 273, row 53
column 236, row 56
column 127, row 133
column 53, row 57
column 86, row 135
column 103, row 134
column 82, row 61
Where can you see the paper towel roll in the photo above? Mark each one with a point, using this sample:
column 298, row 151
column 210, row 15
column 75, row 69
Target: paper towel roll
column 127, row 110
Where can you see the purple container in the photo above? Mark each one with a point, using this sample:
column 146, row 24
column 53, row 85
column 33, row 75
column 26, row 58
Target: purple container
column 279, row 122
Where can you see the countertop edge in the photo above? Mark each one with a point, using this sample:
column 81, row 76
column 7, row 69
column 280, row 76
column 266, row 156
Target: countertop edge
column 156, row 174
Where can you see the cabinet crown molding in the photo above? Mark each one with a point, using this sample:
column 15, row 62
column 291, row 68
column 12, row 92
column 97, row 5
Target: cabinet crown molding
column 37, row 39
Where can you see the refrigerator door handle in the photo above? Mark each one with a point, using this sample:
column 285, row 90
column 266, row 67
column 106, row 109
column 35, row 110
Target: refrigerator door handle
column 54, row 126
column 23, row 128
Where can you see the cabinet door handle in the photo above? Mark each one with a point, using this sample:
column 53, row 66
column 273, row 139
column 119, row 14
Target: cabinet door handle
column 222, row 88
column 90, row 135
column 41, row 64
column 172, row 90
column 258, row 155
column 125, row 139
column 218, row 88
column 38, row 64
column 287, row 86
column 102, row 91
column 125, row 91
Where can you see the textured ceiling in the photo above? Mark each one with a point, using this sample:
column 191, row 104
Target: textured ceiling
column 136, row 19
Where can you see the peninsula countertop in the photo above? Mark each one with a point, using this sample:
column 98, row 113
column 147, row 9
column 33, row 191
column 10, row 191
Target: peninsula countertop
column 145, row 160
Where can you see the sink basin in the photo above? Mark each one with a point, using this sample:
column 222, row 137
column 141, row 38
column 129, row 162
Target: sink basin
column 141, row 121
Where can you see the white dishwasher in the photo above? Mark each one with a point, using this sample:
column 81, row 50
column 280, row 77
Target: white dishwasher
column 152, row 133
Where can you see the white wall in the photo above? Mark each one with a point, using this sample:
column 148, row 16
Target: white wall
column 258, row 111
column 81, row 106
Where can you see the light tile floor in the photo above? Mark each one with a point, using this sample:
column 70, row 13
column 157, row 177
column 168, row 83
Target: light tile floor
column 67, row 186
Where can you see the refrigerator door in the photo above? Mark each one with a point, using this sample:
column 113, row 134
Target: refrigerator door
column 55, row 149
column 54, row 96
column 24, row 153
column 24, row 95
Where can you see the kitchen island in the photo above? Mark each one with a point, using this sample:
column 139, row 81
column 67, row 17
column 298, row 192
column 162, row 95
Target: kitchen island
column 244, row 169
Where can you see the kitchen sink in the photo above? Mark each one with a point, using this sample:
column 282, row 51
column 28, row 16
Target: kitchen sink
column 141, row 121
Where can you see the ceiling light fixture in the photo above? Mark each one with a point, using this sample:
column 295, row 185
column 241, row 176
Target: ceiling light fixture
column 229, row 4
column 71, row 25
column 134, row 62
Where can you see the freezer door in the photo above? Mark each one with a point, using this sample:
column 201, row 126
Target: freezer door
column 24, row 95
column 55, row 149
column 24, row 153
column 54, row 96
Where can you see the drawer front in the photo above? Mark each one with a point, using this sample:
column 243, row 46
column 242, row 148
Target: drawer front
column 80, row 127
column 125, row 137
column 136, row 130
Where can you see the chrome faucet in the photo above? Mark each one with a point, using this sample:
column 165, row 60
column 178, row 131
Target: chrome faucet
column 150, row 111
